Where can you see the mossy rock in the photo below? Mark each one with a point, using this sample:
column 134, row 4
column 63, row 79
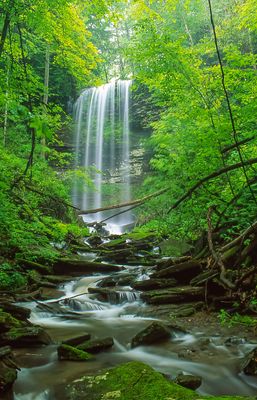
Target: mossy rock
column 130, row 381
column 7, row 377
column 70, row 353
column 24, row 336
column 7, row 321
column 96, row 345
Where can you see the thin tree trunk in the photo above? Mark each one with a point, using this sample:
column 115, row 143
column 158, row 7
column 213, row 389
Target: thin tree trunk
column 6, row 106
column 46, row 94
column 6, row 27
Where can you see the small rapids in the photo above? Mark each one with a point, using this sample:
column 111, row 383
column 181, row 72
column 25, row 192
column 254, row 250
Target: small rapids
column 78, row 310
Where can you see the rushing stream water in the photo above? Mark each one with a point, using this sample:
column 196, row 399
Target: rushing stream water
column 43, row 376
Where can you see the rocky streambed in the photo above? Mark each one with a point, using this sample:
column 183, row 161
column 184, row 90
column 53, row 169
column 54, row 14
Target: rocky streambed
column 124, row 307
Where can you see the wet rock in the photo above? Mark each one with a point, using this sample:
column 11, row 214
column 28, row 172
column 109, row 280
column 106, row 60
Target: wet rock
column 70, row 266
column 70, row 353
column 173, row 295
column 96, row 345
column 152, row 284
column 183, row 272
column 113, row 296
column 94, row 241
column 249, row 366
column 153, row 333
column 75, row 341
column 107, row 282
column 188, row 381
column 25, row 336
column 126, row 280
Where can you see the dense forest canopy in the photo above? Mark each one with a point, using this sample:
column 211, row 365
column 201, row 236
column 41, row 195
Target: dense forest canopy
column 193, row 64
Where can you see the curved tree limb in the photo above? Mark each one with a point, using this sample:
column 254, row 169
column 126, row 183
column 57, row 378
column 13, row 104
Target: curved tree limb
column 215, row 174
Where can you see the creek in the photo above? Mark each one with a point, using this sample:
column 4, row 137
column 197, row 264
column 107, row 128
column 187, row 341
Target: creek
column 42, row 376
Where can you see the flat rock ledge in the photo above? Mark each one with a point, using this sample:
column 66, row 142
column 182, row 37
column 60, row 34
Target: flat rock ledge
column 130, row 381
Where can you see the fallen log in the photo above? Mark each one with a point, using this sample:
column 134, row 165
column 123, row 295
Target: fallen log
column 128, row 203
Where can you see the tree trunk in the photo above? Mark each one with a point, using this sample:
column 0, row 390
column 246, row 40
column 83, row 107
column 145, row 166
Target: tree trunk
column 46, row 93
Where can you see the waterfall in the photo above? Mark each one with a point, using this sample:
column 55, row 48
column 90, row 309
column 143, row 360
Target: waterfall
column 102, row 145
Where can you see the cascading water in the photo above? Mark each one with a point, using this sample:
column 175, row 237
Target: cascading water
column 102, row 120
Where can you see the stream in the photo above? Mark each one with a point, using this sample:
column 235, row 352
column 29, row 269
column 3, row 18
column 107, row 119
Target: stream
column 42, row 376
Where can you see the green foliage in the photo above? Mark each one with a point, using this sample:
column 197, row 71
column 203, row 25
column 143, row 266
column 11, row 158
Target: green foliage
column 34, row 212
column 173, row 54
column 10, row 279
column 236, row 319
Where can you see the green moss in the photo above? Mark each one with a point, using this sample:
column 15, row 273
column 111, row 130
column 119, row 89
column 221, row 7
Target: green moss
column 8, row 321
column 66, row 352
column 7, row 376
column 130, row 381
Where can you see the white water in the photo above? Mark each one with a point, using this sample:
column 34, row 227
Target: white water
column 102, row 121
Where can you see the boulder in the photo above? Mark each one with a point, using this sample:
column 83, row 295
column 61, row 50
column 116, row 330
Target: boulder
column 249, row 366
column 75, row 341
column 188, row 381
column 25, row 336
column 153, row 284
column 70, row 353
column 154, row 333
column 132, row 381
column 96, row 345
column 174, row 295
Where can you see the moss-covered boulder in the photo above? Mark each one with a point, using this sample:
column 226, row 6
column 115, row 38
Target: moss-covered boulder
column 96, row 345
column 71, row 353
column 7, row 321
column 155, row 332
column 25, row 336
column 132, row 381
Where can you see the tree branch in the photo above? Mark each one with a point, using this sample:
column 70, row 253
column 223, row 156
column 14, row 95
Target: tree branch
column 215, row 174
